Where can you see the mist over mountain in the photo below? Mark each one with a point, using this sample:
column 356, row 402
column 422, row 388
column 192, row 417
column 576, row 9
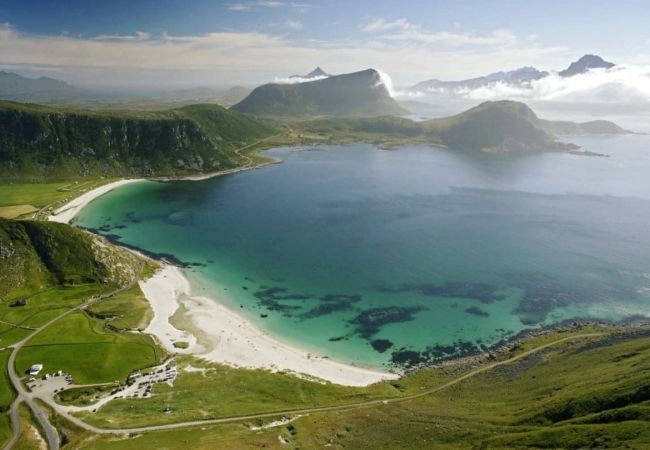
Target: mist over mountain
column 363, row 93
column 19, row 88
column 585, row 64
column 517, row 76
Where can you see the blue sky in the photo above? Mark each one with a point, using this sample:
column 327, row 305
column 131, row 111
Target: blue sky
column 214, row 42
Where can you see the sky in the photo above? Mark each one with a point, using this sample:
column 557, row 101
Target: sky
column 144, row 43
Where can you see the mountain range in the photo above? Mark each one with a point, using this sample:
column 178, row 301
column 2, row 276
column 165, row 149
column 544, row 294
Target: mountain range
column 515, row 77
column 20, row 88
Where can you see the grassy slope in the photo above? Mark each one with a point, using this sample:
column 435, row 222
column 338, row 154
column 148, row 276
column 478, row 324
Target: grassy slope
column 83, row 347
column 512, row 406
column 129, row 310
column 7, row 393
column 29, row 196
column 35, row 256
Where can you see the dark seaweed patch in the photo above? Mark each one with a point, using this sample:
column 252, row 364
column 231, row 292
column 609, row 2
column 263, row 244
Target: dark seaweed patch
column 483, row 292
column 381, row 345
column 340, row 298
column 271, row 298
column 332, row 303
column 131, row 217
column 407, row 358
column 477, row 311
column 326, row 308
column 369, row 322
column 543, row 294
column 338, row 338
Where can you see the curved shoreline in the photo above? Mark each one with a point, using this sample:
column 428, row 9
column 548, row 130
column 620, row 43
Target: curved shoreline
column 218, row 334
column 211, row 331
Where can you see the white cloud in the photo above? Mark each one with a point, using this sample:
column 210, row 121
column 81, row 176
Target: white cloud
column 249, row 57
column 403, row 30
column 238, row 7
column 299, row 7
column 293, row 25
column 297, row 80
column 497, row 37
column 380, row 24
column 138, row 36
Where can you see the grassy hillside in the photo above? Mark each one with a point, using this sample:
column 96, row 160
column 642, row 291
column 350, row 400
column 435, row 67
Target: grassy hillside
column 38, row 141
column 355, row 94
column 38, row 255
column 589, row 392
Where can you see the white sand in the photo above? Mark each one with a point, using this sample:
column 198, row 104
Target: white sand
column 67, row 212
column 228, row 338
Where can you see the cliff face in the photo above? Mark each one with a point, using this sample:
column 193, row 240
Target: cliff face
column 36, row 140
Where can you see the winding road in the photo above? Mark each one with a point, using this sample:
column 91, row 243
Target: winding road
column 23, row 395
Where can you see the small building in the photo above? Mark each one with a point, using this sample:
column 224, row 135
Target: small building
column 35, row 369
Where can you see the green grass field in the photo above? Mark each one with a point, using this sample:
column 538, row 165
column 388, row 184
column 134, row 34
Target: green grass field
column 222, row 391
column 7, row 393
column 44, row 305
column 5, row 429
column 590, row 393
column 85, row 348
column 129, row 310
column 18, row 199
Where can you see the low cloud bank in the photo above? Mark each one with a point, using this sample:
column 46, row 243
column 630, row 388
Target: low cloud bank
column 620, row 84
column 296, row 80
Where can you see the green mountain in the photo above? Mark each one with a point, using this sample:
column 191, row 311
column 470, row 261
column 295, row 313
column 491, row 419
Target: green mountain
column 37, row 141
column 503, row 126
column 17, row 87
column 507, row 126
column 354, row 94
column 38, row 255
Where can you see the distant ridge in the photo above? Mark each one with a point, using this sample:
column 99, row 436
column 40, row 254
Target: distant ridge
column 354, row 94
column 584, row 64
column 316, row 73
column 517, row 76
column 19, row 88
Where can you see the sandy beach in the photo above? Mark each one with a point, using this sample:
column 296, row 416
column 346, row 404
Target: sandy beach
column 217, row 334
column 67, row 212
column 201, row 326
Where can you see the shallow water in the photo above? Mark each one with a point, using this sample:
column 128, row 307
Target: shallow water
column 388, row 257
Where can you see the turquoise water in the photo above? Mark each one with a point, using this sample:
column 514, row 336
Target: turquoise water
column 386, row 258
